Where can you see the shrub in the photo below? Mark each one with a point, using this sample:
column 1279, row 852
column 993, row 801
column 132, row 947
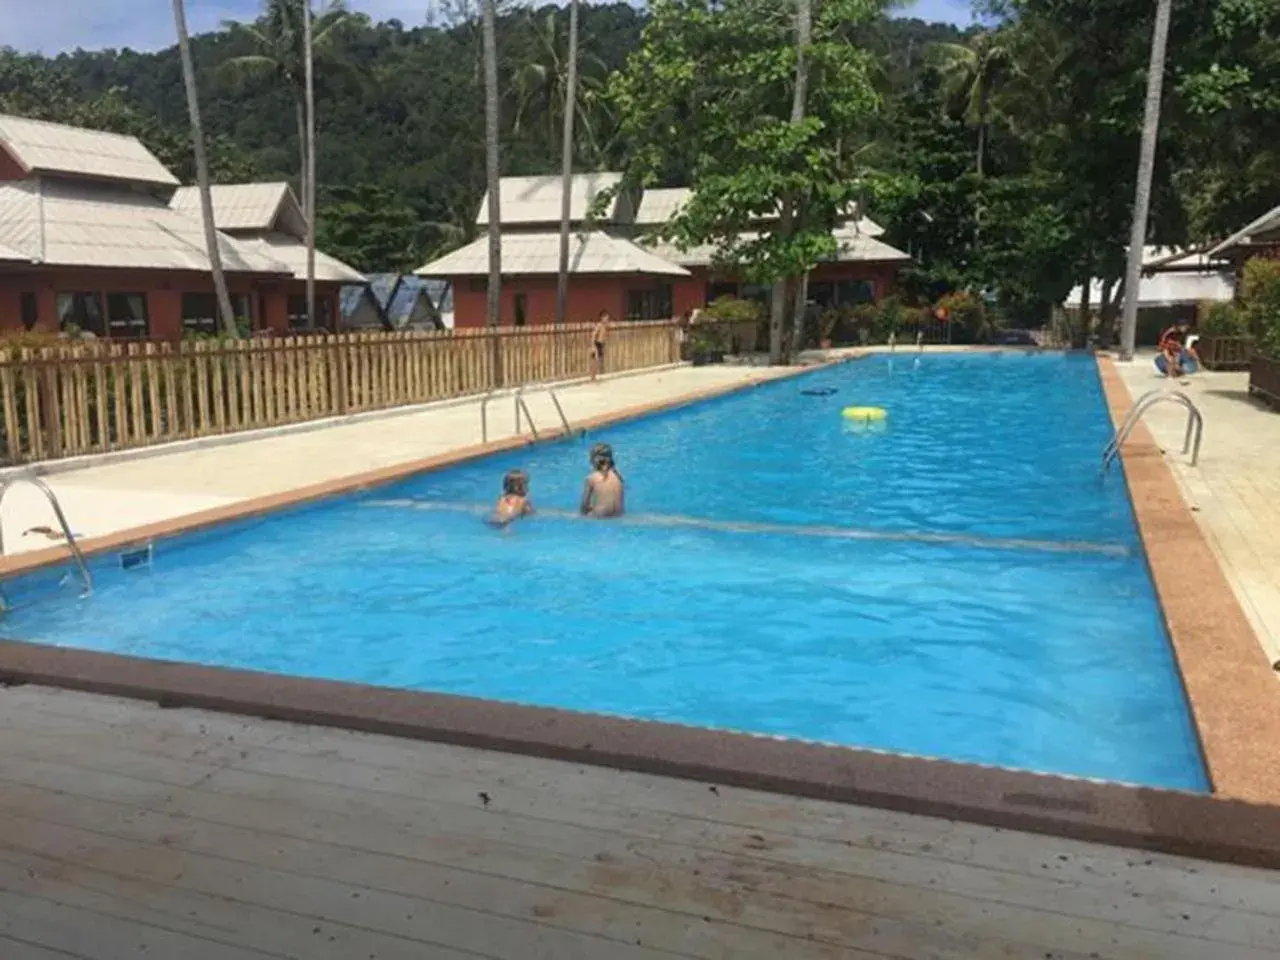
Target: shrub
column 1221, row 320
column 968, row 316
column 1260, row 302
column 732, row 310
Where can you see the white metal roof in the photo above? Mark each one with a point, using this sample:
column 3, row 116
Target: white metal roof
column 42, row 147
column 1264, row 224
column 533, row 254
column 1169, row 289
column 70, row 223
column 536, row 200
column 854, row 246
column 660, row 204
column 247, row 206
column 292, row 252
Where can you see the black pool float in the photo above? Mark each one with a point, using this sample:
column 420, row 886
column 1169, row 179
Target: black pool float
column 819, row 392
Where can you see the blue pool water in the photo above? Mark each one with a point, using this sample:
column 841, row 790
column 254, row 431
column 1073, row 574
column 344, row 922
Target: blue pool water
column 1050, row 656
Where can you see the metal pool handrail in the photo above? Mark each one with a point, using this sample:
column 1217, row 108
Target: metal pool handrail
column 484, row 416
column 521, row 405
column 43, row 487
column 1191, row 440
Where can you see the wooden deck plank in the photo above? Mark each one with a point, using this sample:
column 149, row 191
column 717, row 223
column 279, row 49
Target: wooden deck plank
column 287, row 822
column 98, row 936
column 655, row 836
column 1162, row 877
column 833, row 909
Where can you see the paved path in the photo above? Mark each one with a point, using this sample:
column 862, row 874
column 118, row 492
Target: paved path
column 104, row 499
column 129, row 831
column 1235, row 489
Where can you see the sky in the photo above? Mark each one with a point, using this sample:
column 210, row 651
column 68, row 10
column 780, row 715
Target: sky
column 52, row 26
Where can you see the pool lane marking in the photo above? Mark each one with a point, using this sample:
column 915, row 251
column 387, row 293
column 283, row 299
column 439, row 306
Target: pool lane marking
column 835, row 533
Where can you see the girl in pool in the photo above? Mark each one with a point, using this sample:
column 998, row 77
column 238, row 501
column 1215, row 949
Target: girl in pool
column 514, row 502
column 602, row 494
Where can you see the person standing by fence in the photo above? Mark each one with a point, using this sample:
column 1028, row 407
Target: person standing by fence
column 599, row 337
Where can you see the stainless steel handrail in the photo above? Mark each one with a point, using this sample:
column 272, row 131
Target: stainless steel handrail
column 520, row 404
column 1191, row 439
column 43, row 487
column 564, row 421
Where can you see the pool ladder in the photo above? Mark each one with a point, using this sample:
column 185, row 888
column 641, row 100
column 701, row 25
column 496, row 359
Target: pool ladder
column 1190, row 442
column 522, row 410
column 72, row 545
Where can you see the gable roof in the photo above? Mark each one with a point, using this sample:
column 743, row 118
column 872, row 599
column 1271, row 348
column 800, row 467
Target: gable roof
column 660, row 204
column 255, row 207
column 538, row 254
column 853, row 245
column 70, row 223
column 1264, row 224
column 536, row 200
column 55, row 148
column 410, row 291
column 292, row 252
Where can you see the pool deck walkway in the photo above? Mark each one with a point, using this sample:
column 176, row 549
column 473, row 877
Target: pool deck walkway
column 163, row 483
column 1234, row 491
column 127, row 831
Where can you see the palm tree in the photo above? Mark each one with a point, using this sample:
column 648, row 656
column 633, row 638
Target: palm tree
column 280, row 49
column 542, row 84
column 202, row 171
column 1146, row 172
column 972, row 74
column 800, row 93
column 492, row 171
column 566, row 167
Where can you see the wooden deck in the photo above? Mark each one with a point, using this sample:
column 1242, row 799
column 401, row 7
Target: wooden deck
column 129, row 831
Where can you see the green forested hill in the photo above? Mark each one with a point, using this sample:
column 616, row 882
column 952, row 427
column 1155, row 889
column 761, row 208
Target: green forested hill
column 400, row 114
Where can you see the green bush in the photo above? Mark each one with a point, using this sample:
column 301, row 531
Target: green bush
column 1221, row 320
column 967, row 315
column 1260, row 302
column 732, row 310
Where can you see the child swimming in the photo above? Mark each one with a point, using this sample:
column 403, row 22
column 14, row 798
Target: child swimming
column 603, row 492
column 514, row 502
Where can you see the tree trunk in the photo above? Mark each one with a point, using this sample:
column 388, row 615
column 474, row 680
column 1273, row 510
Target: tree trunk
column 309, row 66
column 492, row 174
column 1080, row 331
column 1112, row 297
column 1146, row 172
column 300, row 111
column 225, row 313
column 566, row 167
column 777, row 319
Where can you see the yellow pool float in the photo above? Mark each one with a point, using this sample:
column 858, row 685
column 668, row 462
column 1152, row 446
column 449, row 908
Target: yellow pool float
column 864, row 414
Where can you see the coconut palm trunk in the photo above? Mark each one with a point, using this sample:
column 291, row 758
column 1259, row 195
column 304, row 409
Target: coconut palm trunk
column 309, row 187
column 804, row 34
column 492, row 171
column 225, row 314
column 1146, row 173
column 566, row 166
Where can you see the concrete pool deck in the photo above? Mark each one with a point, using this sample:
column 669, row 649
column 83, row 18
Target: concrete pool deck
column 1234, row 491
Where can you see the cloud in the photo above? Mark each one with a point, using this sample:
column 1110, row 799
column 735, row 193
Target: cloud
column 62, row 25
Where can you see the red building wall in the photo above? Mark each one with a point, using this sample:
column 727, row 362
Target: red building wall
column 588, row 295
column 268, row 298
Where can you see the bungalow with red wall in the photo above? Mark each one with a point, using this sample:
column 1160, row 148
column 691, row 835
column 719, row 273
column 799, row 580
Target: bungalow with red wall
column 607, row 271
column 267, row 217
column 88, row 239
column 862, row 269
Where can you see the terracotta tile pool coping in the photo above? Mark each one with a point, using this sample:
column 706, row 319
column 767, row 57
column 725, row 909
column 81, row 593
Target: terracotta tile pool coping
column 1232, row 826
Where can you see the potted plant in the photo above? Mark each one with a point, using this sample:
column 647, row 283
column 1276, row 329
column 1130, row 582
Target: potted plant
column 706, row 345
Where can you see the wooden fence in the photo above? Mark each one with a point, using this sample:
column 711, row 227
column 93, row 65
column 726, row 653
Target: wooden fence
column 85, row 398
column 1264, row 379
column 1224, row 353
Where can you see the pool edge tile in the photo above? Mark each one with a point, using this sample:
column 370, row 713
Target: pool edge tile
column 1233, row 692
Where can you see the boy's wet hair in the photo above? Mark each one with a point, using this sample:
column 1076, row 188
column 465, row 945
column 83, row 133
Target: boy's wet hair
column 602, row 454
column 515, row 483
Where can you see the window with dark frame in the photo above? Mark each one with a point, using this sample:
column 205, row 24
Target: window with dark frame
column 298, row 313
column 522, row 307
column 83, row 311
column 199, row 313
column 651, row 304
column 30, row 311
column 127, row 316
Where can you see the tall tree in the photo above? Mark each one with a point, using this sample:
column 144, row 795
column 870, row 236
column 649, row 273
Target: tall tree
column 212, row 249
column 972, row 73
column 1146, row 172
column 278, row 40
column 309, row 81
column 710, row 95
column 800, row 92
column 566, row 167
column 493, row 172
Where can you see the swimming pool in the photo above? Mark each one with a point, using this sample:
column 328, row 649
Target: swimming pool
column 961, row 582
